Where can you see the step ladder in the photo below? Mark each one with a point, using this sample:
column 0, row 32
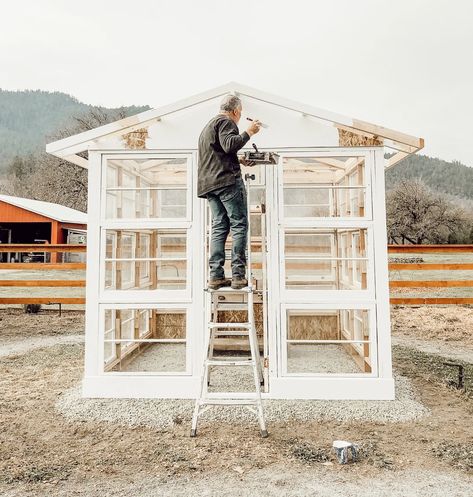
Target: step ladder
column 215, row 329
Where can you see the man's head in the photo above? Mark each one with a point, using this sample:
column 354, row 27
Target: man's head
column 231, row 107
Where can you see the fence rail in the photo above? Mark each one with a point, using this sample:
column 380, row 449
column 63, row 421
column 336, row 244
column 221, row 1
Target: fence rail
column 42, row 266
column 393, row 266
column 416, row 266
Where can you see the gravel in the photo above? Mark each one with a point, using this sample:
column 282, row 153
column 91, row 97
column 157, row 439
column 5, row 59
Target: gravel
column 23, row 345
column 164, row 413
column 162, row 357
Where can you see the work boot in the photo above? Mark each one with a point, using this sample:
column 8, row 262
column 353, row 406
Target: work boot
column 216, row 284
column 239, row 282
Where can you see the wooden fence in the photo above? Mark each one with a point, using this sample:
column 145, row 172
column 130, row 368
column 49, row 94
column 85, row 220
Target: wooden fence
column 392, row 249
column 42, row 266
column 415, row 266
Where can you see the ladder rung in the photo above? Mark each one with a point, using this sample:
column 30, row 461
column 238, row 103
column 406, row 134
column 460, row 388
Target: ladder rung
column 229, row 325
column 231, row 333
column 223, row 362
column 234, row 306
column 240, row 402
column 229, row 289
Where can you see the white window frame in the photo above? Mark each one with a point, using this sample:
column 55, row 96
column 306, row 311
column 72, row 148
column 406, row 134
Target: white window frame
column 159, row 155
column 299, row 221
column 188, row 341
column 148, row 295
column 370, row 307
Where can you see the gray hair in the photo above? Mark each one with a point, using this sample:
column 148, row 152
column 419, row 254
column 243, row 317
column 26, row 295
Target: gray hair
column 230, row 103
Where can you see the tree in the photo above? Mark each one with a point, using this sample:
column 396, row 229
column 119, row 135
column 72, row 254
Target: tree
column 418, row 215
column 44, row 177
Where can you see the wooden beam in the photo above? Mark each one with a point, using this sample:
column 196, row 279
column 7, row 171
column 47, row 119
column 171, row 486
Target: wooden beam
column 47, row 283
column 398, row 249
column 430, row 301
column 44, row 266
column 42, row 300
column 77, row 160
column 431, row 284
column 395, row 159
column 428, row 267
column 36, row 247
column 392, row 134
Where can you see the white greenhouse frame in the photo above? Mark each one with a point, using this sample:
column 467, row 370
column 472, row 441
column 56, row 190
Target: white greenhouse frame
column 102, row 146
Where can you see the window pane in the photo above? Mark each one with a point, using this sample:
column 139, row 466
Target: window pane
column 128, row 344
column 330, row 259
column 324, row 187
column 146, row 188
column 328, row 341
column 145, row 259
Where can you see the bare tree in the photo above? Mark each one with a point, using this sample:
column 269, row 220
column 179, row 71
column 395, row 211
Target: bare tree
column 45, row 177
column 418, row 215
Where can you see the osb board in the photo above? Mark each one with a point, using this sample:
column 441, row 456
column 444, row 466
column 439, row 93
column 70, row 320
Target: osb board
column 170, row 325
column 349, row 139
column 321, row 327
column 136, row 140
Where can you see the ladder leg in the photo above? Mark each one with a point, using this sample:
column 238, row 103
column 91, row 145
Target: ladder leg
column 210, row 352
column 194, row 419
column 257, row 378
column 214, row 314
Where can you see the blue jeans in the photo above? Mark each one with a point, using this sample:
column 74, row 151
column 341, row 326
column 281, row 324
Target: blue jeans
column 229, row 214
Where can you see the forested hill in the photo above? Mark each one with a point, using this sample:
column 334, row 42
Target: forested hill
column 452, row 178
column 28, row 117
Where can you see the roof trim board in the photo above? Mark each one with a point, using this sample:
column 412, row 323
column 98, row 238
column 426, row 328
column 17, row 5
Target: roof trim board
column 67, row 148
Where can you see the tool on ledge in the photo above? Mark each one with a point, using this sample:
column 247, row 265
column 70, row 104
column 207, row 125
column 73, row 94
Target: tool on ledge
column 258, row 157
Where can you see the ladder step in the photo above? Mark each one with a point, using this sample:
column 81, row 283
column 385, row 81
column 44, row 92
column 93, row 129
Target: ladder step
column 224, row 362
column 231, row 333
column 237, row 306
column 228, row 402
column 229, row 325
column 229, row 289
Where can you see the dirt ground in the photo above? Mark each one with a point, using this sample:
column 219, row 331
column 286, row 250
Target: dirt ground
column 43, row 454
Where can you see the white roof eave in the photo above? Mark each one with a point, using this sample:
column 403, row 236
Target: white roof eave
column 67, row 148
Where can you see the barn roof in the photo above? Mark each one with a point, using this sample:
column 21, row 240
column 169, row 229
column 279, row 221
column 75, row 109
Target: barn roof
column 47, row 209
column 401, row 143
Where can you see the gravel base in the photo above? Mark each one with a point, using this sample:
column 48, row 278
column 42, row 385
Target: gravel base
column 159, row 357
column 164, row 413
column 329, row 358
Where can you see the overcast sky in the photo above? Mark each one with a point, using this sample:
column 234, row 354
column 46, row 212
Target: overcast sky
column 404, row 64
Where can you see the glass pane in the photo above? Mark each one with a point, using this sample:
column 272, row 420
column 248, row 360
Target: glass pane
column 128, row 335
column 157, row 259
column 330, row 259
column 324, row 187
column 146, row 188
column 328, row 358
column 328, row 341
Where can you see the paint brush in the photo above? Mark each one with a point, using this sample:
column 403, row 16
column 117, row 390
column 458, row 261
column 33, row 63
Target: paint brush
column 261, row 124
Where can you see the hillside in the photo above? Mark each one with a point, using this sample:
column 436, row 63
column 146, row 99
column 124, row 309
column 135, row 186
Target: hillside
column 451, row 178
column 28, row 117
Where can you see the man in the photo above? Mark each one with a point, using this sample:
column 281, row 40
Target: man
column 219, row 180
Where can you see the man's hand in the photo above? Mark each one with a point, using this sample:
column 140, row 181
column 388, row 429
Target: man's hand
column 254, row 127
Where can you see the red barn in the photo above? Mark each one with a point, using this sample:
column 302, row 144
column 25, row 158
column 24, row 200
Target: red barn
column 23, row 220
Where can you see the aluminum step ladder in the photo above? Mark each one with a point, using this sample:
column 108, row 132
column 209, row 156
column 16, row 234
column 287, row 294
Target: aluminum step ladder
column 215, row 329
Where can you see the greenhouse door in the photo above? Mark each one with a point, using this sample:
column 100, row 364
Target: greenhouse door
column 323, row 297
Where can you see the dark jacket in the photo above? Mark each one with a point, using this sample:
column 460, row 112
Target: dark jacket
column 219, row 143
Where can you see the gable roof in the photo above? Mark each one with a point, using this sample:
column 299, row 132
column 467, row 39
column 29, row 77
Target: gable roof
column 47, row 209
column 69, row 147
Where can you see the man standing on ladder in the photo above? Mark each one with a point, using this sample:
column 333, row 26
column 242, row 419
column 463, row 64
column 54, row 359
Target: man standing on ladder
column 219, row 180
